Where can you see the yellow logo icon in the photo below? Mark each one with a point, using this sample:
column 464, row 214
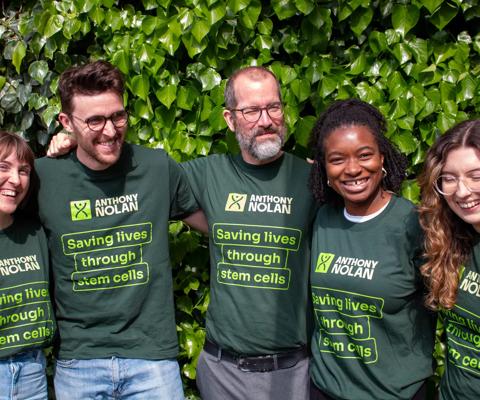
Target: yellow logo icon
column 323, row 262
column 236, row 202
column 80, row 210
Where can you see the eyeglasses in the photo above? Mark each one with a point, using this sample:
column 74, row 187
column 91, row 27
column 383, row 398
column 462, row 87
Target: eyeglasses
column 96, row 123
column 448, row 184
column 253, row 114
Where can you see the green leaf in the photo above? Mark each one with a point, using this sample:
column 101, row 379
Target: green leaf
column 216, row 120
column 327, row 86
column 303, row 128
column 397, row 85
column 443, row 16
column 209, row 79
column 468, row 89
column 249, row 16
column 186, row 97
column 284, row 8
column 377, row 42
column 404, row 17
column 149, row 24
column 402, row 53
column 265, row 27
column 360, row 19
column 70, row 27
column 200, row 29
column 238, row 5
column 305, row 6
column 54, row 25
column 301, row 89
column 410, row 190
column 217, row 13
column 405, row 141
column 122, row 61
column 49, row 114
column 358, row 66
column 432, row 5
column 38, row 70
column 142, row 109
column 18, row 55
column 2, row 81
column 192, row 46
column 140, row 86
column 167, row 95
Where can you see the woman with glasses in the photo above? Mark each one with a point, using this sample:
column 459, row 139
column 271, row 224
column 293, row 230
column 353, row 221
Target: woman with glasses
column 373, row 337
column 26, row 316
column 450, row 216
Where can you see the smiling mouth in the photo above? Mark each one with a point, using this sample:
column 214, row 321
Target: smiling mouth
column 469, row 205
column 8, row 193
column 356, row 182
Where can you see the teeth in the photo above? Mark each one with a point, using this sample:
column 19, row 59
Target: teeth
column 10, row 193
column 356, row 182
column 470, row 204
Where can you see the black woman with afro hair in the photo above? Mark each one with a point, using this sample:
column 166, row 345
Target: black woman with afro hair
column 373, row 337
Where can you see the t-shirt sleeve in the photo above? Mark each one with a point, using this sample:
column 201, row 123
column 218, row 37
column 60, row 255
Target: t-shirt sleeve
column 195, row 171
column 182, row 200
column 415, row 240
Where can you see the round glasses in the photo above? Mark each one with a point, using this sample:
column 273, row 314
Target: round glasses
column 253, row 114
column 448, row 184
column 96, row 123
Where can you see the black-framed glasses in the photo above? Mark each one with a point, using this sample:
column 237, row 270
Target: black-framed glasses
column 253, row 114
column 96, row 123
column 448, row 184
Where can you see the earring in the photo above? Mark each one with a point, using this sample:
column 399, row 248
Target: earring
column 384, row 172
column 328, row 182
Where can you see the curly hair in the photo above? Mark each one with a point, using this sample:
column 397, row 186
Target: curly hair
column 89, row 79
column 448, row 239
column 347, row 113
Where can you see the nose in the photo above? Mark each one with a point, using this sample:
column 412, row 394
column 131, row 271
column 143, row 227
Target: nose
column 352, row 167
column 109, row 129
column 14, row 177
column 265, row 119
column 462, row 190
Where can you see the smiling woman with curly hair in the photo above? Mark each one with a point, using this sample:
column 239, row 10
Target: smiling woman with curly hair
column 450, row 217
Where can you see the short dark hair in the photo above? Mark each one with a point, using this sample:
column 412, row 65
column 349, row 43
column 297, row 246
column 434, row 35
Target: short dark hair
column 254, row 73
column 11, row 142
column 347, row 113
column 89, row 79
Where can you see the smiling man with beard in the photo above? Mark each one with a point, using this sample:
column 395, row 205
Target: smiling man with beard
column 259, row 213
column 116, row 323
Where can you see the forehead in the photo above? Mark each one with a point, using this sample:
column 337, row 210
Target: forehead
column 258, row 91
column 462, row 159
column 104, row 103
column 10, row 155
column 350, row 138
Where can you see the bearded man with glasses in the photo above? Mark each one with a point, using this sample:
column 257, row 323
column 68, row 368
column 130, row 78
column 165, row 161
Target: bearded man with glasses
column 259, row 212
column 108, row 238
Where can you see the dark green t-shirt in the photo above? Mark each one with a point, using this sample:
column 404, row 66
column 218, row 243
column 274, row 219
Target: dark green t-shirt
column 462, row 327
column 108, row 238
column 373, row 338
column 259, row 229
column 26, row 315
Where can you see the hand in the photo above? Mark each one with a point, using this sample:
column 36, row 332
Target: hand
column 61, row 144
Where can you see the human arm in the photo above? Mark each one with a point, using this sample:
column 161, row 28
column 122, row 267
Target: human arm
column 197, row 221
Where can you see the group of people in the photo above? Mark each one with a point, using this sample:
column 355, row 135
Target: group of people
column 325, row 256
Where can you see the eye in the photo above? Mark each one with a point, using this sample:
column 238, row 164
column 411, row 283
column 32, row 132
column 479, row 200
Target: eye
column 4, row 167
column 475, row 178
column 251, row 111
column 24, row 171
column 335, row 160
column 96, row 120
column 365, row 156
column 448, row 179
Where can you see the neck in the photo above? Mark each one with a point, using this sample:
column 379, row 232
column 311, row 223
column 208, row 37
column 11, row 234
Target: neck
column 370, row 206
column 5, row 220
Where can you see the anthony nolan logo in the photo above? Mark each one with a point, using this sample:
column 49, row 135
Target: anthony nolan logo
column 81, row 210
column 324, row 261
column 262, row 203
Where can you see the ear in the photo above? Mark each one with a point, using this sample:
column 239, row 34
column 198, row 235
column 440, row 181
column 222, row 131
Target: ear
column 66, row 122
column 229, row 119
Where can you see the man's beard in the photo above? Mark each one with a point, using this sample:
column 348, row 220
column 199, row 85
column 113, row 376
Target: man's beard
column 262, row 150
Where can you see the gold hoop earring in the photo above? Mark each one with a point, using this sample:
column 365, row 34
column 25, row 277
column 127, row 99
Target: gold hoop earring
column 384, row 172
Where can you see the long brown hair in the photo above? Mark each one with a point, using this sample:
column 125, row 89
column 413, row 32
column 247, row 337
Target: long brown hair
column 448, row 239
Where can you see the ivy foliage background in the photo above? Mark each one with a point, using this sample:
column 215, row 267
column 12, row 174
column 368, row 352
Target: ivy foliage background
column 417, row 61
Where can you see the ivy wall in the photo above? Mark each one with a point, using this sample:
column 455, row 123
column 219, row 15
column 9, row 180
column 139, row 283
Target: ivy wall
column 418, row 61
